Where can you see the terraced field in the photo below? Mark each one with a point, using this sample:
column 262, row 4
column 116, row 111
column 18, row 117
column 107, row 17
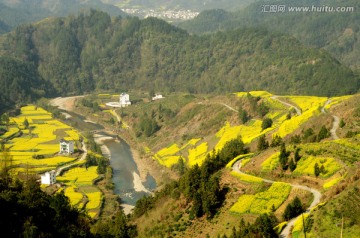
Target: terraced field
column 34, row 148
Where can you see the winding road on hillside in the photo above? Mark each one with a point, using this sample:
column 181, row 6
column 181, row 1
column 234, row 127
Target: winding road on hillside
column 298, row 110
column 316, row 193
column 335, row 124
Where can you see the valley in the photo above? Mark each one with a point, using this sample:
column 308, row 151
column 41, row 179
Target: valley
column 115, row 126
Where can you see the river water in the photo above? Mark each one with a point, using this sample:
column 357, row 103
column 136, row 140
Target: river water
column 125, row 173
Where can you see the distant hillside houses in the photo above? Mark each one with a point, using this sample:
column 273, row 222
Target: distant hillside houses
column 124, row 100
column 66, row 147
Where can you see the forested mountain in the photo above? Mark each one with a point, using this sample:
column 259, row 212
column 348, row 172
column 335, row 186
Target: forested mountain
column 336, row 32
column 14, row 13
column 93, row 52
column 20, row 83
column 197, row 5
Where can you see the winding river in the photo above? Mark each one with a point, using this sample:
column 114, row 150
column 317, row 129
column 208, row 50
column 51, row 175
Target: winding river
column 126, row 179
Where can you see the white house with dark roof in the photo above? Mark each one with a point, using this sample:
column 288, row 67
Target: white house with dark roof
column 66, row 147
column 124, row 100
column 48, row 178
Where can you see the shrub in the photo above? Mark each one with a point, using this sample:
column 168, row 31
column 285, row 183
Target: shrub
column 267, row 123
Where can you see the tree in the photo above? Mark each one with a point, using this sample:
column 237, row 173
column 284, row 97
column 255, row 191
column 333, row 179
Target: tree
column 26, row 123
column 292, row 165
column 323, row 133
column 27, row 211
column 266, row 123
column 276, row 141
column 265, row 224
column 342, row 123
column 5, row 119
column 297, row 155
column 243, row 115
column 283, row 157
column 293, row 209
column 262, row 143
column 317, row 170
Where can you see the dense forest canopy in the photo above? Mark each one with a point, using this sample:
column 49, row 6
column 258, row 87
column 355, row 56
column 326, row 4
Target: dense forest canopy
column 336, row 32
column 20, row 83
column 95, row 52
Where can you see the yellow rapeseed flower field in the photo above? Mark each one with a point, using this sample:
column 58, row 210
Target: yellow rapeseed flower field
column 75, row 197
column 198, row 154
column 271, row 163
column 247, row 178
column 297, row 231
column 79, row 176
column 264, row 201
column 94, row 200
column 306, row 166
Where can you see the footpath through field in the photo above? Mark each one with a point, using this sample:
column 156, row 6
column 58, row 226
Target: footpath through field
column 336, row 121
column 298, row 110
column 316, row 193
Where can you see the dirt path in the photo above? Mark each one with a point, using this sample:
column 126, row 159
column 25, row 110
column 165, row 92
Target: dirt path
column 335, row 124
column 317, row 196
column 67, row 103
column 229, row 107
column 298, row 110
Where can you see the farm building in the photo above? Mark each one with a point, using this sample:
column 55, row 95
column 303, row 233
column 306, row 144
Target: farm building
column 157, row 97
column 124, row 100
column 48, row 178
column 66, row 147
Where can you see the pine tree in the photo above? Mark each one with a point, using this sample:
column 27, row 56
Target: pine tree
column 292, row 165
column 297, row 155
column 262, row 143
column 283, row 157
column 316, row 170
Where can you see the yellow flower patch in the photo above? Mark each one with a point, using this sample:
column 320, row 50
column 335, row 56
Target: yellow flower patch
column 263, row 202
column 306, row 166
column 271, row 163
column 75, row 197
column 95, row 199
column 198, row 154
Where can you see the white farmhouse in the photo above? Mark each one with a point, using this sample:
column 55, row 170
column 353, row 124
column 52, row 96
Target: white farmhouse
column 66, row 147
column 157, row 97
column 48, row 178
column 124, row 100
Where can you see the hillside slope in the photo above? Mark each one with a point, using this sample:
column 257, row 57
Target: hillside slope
column 336, row 32
column 246, row 196
column 93, row 52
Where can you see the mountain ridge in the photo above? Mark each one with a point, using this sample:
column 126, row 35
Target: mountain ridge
column 95, row 52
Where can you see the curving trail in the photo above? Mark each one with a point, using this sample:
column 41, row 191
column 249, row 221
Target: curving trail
column 335, row 124
column 317, row 196
column 298, row 110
